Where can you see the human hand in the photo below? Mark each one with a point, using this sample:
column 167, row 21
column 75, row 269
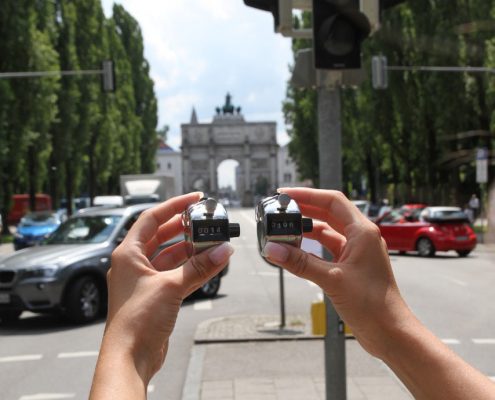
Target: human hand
column 359, row 281
column 145, row 295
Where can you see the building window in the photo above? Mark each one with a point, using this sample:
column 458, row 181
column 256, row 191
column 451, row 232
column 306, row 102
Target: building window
column 287, row 161
column 158, row 165
column 169, row 166
column 287, row 177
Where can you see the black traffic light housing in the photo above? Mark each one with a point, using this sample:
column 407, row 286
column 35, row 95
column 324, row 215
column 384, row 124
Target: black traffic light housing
column 339, row 28
column 266, row 5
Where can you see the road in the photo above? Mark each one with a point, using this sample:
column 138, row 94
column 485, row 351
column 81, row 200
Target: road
column 42, row 357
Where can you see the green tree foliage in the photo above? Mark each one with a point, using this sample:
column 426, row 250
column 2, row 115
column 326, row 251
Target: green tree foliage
column 63, row 135
column 416, row 140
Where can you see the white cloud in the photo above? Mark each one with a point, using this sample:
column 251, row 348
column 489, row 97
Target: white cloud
column 199, row 50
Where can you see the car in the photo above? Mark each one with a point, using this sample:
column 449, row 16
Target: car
column 36, row 226
column 369, row 209
column 410, row 208
column 67, row 273
column 428, row 231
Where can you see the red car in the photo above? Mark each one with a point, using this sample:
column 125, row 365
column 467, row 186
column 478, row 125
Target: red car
column 427, row 231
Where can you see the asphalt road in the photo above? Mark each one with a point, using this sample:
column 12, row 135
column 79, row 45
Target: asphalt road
column 45, row 358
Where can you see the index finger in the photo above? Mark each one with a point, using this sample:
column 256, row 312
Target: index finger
column 341, row 213
column 150, row 220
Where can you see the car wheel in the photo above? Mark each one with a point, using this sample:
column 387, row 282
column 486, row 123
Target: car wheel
column 425, row 247
column 7, row 316
column 84, row 300
column 210, row 288
column 463, row 253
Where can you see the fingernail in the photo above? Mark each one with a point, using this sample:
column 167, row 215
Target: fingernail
column 221, row 253
column 275, row 252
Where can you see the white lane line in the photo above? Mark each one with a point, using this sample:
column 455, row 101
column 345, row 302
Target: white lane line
column 203, row 305
column 27, row 357
column 78, row 354
column 48, row 396
column 450, row 341
column 456, row 281
column 249, row 217
column 483, row 341
column 151, row 388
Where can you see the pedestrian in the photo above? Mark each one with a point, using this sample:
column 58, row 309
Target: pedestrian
column 144, row 298
column 469, row 213
column 474, row 205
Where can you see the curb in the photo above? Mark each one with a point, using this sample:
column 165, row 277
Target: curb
column 192, row 384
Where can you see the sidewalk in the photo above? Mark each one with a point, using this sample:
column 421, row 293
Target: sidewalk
column 249, row 358
column 6, row 248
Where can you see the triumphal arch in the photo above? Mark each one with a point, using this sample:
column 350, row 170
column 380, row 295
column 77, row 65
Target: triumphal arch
column 252, row 144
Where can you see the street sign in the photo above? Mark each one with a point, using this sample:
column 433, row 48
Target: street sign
column 482, row 165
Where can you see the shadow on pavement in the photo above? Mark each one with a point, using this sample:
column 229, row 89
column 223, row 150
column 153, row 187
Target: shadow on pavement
column 41, row 324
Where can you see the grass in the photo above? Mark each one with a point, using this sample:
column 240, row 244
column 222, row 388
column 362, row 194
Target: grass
column 6, row 239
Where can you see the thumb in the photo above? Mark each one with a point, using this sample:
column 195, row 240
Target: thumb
column 325, row 274
column 202, row 267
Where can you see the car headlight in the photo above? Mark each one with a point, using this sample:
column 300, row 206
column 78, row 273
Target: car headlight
column 44, row 271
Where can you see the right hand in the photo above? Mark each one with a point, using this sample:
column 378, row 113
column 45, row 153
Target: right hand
column 359, row 282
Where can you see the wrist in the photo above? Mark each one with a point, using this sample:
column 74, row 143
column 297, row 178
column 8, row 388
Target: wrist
column 123, row 349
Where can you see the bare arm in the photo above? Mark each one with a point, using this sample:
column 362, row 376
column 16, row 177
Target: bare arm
column 362, row 287
column 145, row 297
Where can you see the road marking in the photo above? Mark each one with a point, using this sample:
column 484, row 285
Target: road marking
column 203, row 305
column 456, row 281
column 27, row 357
column 151, row 388
column 450, row 341
column 78, row 354
column 48, row 396
column 249, row 217
column 483, row 341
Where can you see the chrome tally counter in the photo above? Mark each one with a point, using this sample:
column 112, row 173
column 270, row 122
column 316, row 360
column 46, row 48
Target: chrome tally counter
column 206, row 224
column 279, row 219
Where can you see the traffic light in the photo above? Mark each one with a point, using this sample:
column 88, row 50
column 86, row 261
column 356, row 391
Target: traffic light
column 339, row 28
column 266, row 5
column 108, row 76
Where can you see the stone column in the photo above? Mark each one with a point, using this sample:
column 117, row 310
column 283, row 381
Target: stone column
column 273, row 168
column 185, row 174
column 247, row 197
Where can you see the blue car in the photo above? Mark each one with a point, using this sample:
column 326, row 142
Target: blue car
column 36, row 226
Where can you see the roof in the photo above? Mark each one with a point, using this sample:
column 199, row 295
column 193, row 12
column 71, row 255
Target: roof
column 103, row 210
column 164, row 147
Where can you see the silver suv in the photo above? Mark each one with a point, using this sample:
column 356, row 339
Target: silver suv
column 67, row 273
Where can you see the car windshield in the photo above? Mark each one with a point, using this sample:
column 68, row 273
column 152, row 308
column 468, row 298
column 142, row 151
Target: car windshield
column 85, row 230
column 40, row 219
column 361, row 206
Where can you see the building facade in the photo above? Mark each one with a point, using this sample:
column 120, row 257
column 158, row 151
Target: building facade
column 169, row 163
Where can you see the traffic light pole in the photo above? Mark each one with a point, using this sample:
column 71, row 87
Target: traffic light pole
column 330, row 169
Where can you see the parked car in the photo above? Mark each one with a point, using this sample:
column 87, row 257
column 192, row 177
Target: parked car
column 428, row 231
column 37, row 226
column 67, row 273
column 410, row 208
column 369, row 209
column 20, row 206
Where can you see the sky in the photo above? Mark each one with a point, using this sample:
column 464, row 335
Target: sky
column 199, row 50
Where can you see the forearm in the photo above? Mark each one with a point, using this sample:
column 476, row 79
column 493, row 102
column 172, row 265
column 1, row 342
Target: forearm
column 117, row 375
column 430, row 370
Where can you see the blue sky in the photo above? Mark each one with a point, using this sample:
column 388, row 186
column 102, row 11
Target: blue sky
column 201, row 49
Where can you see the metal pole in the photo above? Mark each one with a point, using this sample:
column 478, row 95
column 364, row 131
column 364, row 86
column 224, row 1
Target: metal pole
column 282, row 298
column 37, row 74
column 330, row 155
